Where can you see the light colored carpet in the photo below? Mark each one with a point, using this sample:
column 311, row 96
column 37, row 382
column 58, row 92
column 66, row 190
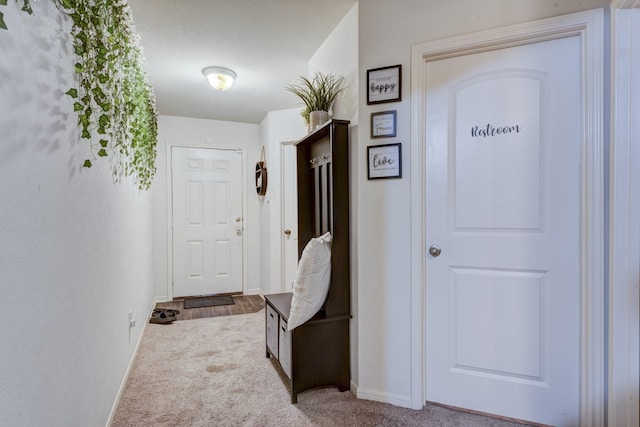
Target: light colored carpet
column 213, row 372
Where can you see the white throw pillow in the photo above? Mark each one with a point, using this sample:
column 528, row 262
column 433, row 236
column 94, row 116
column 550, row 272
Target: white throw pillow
column 311, row 283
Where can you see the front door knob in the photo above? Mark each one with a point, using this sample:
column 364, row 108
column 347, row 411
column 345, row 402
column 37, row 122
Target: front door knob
column 434, row 250
column 287, row 232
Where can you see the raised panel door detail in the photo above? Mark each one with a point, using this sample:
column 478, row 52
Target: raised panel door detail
column 195, row 259
column 494, row 144
column 220, row 165
column 221, row 214
column 496, row 325
column 194, row 203
column 194, row 164
column 222, row 258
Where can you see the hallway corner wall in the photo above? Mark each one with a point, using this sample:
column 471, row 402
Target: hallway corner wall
column 75, row 247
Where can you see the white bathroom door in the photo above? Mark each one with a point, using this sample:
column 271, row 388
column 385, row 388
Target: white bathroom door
column 207, row 221
column 289, row 216
column 503, row 155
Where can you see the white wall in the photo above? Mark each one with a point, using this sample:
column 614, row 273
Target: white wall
column 75, row 248
column 338, row 55
column 278, row 127
column 387, row 31
column 182, row 131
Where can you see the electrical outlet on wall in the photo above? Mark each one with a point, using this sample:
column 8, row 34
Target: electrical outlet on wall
column 132, row 321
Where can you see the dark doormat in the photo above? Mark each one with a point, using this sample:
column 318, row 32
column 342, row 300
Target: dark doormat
column 208, row 301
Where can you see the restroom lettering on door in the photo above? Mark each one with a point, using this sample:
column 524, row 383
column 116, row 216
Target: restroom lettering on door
column 491, row 130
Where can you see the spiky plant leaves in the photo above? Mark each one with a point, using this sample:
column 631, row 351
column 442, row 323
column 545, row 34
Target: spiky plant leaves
column 318, row 93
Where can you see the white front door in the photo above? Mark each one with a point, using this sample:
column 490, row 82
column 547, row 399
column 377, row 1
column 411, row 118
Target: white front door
column 207, row 221
column 502, row 171
column 289, row 215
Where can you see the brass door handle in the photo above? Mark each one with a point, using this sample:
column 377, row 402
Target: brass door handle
column 287, row 232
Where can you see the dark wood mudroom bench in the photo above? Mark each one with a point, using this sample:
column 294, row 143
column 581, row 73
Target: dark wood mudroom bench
column 316, row 353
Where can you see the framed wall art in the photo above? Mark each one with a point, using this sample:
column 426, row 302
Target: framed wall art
column 384, row 84
column 383, row 124
column 384, row 161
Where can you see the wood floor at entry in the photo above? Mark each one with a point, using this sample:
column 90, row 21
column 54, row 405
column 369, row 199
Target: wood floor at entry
column 243, row 304
column 207, row 221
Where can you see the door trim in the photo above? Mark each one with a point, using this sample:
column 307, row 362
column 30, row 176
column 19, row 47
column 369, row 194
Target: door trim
column 589, row 27
column 274, row 197
column 281, row 145
column 624, row 208
column 169, row 207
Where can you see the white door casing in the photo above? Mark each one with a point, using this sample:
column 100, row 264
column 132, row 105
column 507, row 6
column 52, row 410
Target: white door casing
column 289, row 232
column 624, row 223
column 587, row 29
column 207, row 221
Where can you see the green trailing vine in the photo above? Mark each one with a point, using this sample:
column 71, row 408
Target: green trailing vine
column 26, row 7
column 115, row 105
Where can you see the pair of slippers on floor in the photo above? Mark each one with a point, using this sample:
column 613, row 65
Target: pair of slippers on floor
column 163, row 315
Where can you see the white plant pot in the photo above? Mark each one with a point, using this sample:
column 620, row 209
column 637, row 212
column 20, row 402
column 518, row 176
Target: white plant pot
column 316, row 119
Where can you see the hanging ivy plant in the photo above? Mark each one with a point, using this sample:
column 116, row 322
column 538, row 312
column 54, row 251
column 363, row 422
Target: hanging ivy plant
column 115, row 105
column 26, row 7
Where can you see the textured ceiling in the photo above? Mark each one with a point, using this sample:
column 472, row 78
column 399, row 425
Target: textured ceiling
column 268, row 43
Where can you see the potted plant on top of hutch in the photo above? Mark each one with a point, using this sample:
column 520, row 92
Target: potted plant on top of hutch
column 318, row 95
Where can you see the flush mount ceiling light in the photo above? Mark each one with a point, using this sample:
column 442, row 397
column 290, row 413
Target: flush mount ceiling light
column 220, row 78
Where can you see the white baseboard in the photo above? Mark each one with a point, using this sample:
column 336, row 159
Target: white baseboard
column 353, row 388
column 255, row 291
column 123, row 384
column 401, row 400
